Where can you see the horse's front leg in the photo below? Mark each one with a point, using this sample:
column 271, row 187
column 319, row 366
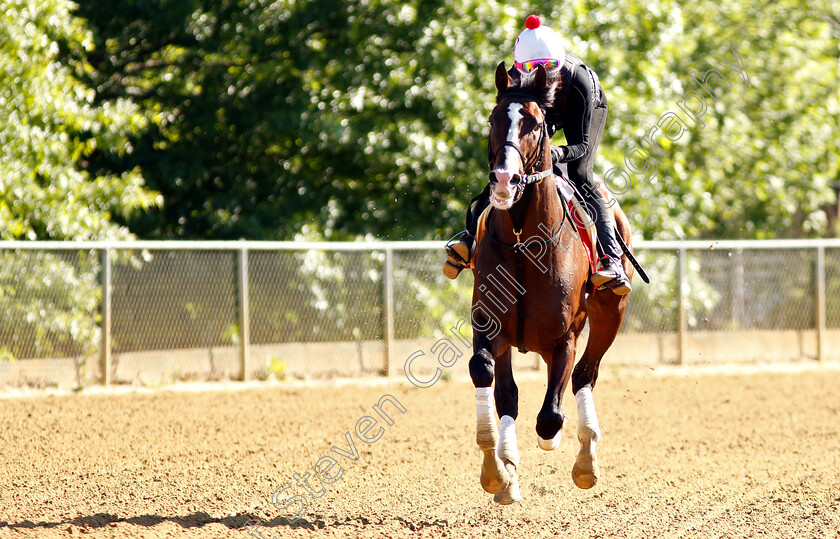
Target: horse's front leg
column 494, row 477
column 507, row 403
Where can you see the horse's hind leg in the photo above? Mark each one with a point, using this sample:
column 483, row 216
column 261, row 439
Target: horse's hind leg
column 585, row 472
column 550, row 418
column 494, row 477
column 507, row 402
column 606, row 311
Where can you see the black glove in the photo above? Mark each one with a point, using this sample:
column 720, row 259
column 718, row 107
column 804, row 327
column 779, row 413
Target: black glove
column 557, row 154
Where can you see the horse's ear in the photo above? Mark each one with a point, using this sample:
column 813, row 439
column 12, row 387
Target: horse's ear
column 541, row 78
column 502, row 78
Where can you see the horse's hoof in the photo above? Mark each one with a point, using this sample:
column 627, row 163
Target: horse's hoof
column 494, row 477
column 584, row 479
column 511, row 493
column 585, row 472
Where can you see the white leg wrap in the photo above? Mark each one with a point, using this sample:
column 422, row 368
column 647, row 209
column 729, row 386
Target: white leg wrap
column 507, row 441
column 485, row 418
column 484, row 405
column 550, row 445
column 586, row 412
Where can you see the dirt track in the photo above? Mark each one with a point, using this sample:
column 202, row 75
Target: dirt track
column 681, row 456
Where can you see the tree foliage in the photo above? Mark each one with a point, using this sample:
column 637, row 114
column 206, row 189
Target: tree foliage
column 368, row 117
column 281, row 119
column 51, row 126
column 349, row 118
column 763, row 163
column 267, row 119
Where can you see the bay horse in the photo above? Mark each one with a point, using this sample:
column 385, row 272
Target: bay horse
column 532, row 291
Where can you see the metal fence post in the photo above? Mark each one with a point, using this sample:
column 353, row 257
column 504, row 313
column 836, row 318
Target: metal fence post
column 388, row 309
column 244, row 313
column 738, row 290
column 105, row 346
column 682, row 321
column 820, row 302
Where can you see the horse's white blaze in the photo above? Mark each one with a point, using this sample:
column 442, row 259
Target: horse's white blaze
column 586, row 412
column 501, row 194
column 511, row 155
column 515, row 117
column 507, row 449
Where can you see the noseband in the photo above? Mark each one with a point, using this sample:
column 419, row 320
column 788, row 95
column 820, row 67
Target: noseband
column 531, row 177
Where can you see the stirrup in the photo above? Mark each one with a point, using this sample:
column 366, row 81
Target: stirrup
column 616, row 280
column 620, row 286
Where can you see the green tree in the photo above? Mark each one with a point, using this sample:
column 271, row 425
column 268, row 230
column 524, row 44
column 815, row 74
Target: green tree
column 763, row 163
column 339, row 119
column 51, row 127
column 334, row 119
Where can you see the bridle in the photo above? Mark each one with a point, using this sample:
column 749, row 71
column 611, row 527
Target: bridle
column 531, row 177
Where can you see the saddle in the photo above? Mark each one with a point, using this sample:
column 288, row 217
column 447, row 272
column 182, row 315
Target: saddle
column 584, row 226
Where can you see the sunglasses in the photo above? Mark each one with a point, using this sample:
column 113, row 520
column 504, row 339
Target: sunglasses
column 530, row 65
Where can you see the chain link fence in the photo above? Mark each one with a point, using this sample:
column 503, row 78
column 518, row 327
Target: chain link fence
column 75, row 314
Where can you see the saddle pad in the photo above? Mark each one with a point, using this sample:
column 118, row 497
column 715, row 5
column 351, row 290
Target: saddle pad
column 479, row 232
column 583, row 222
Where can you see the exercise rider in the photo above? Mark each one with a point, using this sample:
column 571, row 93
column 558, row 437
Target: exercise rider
column 580, row 110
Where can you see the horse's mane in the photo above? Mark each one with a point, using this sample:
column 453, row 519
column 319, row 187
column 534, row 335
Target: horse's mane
column 524, row 84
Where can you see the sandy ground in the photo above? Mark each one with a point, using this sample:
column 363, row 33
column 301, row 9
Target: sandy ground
column 682, row 455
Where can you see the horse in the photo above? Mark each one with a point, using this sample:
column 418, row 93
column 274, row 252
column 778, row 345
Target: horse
column 532, row 290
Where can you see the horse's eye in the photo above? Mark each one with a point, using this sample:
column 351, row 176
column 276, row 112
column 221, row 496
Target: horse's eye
column 537, row 127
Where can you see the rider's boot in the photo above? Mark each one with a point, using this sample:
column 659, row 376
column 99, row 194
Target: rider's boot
column 611, row 276
column 458, row 256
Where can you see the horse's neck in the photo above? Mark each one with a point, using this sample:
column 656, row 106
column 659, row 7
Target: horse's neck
column 542, row 206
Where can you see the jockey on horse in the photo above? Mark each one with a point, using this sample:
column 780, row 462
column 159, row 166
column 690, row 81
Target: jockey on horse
column 581, row 111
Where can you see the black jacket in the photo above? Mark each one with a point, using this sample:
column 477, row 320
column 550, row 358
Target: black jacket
column 579, row 93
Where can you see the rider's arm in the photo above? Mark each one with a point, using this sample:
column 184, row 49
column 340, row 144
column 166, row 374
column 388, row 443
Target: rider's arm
column 578, row 115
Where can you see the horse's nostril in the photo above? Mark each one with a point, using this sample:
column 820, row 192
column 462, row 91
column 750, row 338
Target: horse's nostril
column 515, row 179
column 493, row 177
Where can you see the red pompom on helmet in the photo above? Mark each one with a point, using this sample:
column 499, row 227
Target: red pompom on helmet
column 532, row 22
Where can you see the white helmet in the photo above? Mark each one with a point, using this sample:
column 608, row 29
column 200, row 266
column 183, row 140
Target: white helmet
column 537, row 42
